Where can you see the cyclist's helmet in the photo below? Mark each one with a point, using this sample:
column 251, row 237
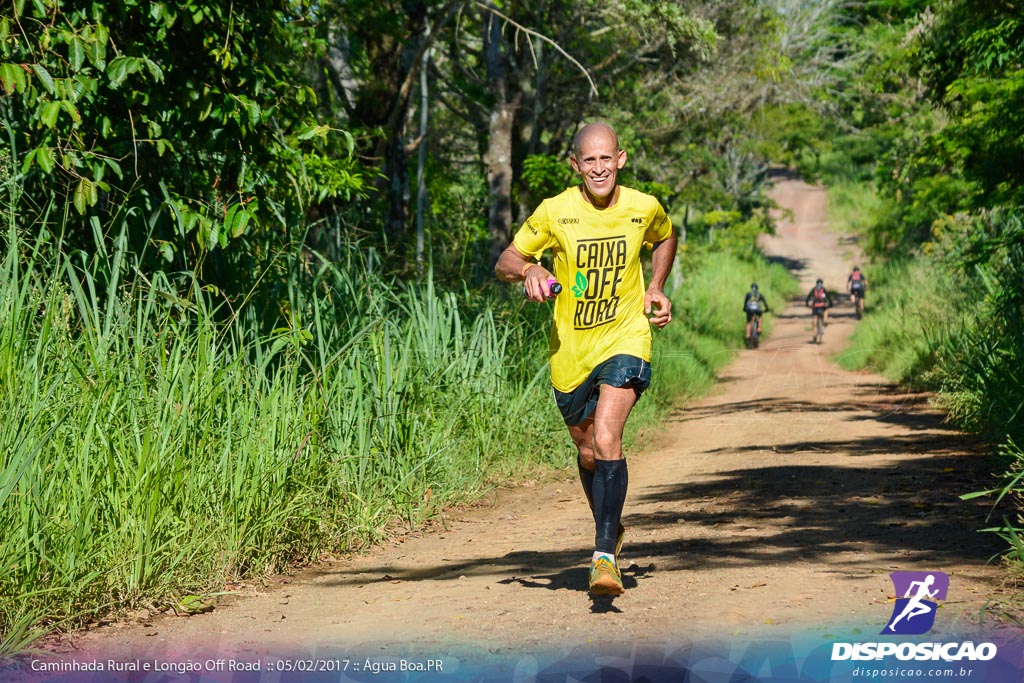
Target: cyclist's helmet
column 819, row 283
column 856, row 269
column 753, row 286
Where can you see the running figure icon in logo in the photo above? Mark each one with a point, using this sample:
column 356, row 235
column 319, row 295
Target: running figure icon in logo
column 916, row 609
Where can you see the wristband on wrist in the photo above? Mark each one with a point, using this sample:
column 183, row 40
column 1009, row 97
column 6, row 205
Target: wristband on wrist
column 526, row 268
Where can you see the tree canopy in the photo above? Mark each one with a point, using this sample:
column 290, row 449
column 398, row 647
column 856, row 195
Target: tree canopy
column 218, row 134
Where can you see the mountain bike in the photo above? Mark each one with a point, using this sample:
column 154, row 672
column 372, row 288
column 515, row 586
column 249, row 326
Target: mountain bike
column 818, row 324
column 754, row 336
column 858, row 301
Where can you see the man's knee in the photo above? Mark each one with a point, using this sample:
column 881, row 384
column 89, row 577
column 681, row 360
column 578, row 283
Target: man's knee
column 608, row 445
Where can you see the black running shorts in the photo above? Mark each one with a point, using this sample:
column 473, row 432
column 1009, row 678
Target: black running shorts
column 618, row 371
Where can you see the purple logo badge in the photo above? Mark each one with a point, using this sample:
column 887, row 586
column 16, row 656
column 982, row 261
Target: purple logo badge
column 914, row 612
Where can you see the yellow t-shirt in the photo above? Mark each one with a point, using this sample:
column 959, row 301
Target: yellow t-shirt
column 600, row 312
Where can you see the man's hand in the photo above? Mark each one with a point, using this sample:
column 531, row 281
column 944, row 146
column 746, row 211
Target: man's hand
column 658, row 307
column 514, row 266
column 536, row 283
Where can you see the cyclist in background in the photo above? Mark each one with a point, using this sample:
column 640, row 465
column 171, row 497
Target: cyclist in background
column 754, row 305
column 857, row 284
column 820, row 301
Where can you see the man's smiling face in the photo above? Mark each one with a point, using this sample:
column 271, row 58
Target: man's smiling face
column 598, row 160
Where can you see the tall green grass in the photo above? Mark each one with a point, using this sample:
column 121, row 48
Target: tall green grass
column 913, row 310
column 156, row 443
column 954, row 328
column 151, row 450
column 852, row 207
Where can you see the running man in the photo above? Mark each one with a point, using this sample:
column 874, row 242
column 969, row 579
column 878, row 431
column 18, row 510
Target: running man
column 916, row 606
column 600, row 343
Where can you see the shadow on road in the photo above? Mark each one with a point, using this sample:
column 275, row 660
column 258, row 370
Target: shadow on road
column 880, row 406
column 791, row 264
column 909, row 510
column 826, row 509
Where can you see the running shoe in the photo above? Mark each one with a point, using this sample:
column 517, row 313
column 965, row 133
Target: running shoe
column 605, row 578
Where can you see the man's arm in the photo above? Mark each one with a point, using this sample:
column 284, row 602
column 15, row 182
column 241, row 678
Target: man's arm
column 656, row 304
column 512, row 267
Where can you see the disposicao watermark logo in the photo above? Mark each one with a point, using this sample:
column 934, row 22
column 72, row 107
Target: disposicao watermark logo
column 914, row 613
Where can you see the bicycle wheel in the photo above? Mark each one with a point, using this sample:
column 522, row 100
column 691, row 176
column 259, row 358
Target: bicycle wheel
column 754, row 335
column 820, row 327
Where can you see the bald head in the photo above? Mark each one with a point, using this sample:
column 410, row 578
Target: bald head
column 591, row 133
column 596, row 157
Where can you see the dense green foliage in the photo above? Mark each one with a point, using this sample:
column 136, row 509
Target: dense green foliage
column 938, row 108
column 222, row 135
column 952, row 321
column 247, row 249
column 932, row 118
column 188, row 121
column 163, row 453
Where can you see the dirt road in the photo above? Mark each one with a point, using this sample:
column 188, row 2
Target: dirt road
column 779, row 504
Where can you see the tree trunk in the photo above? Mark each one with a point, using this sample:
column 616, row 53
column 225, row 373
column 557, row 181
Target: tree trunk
column 421, row 183
column 498, row 161
column 498, row 157
column 396, row 158
column 528, row 130
column 396, row 171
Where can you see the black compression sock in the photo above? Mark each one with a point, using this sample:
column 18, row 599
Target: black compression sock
column 611, row 479
column 587, row 479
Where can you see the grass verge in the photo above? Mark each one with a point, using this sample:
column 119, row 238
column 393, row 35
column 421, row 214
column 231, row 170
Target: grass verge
column 157, row 445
